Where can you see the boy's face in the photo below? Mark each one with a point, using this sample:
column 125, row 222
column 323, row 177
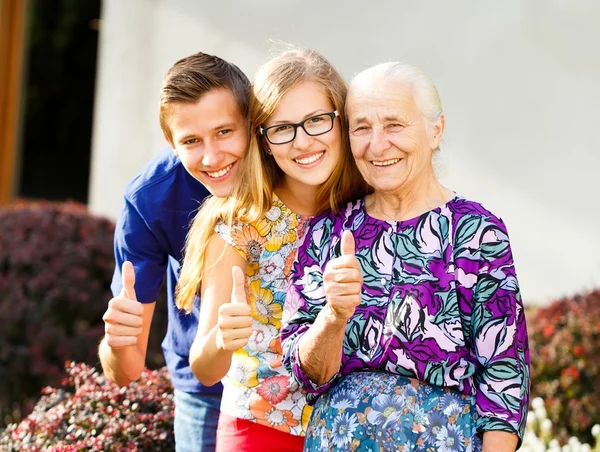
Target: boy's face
column 210, row 137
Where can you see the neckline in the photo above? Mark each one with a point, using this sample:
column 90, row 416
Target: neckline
column 276, row 199
column 409, row 221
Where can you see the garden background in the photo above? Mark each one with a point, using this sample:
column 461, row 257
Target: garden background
column 79, row 81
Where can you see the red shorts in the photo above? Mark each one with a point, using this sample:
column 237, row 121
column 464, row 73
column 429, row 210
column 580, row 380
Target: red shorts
column 239, row 435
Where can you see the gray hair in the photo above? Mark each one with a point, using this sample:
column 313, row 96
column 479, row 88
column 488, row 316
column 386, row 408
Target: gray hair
column 424, row 91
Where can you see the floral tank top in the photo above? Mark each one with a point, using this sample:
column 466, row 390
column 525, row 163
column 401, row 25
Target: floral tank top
column 257, row 387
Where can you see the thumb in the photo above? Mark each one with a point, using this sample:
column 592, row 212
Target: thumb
column 128, row 278
column 238, row 293
column 347, row 246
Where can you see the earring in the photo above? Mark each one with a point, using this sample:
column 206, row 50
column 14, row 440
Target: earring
column 269, row 151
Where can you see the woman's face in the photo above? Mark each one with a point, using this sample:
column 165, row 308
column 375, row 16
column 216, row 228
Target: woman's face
column 391, row 140
column 306, row 160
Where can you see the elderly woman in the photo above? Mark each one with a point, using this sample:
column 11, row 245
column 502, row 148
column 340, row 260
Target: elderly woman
column 409, row 331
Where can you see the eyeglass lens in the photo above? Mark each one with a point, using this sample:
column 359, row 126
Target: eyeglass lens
column 315, row 125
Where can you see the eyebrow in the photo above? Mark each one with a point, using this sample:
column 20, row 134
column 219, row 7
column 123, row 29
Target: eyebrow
column 306, row 116
column 360, row 119
column 394, row 118
column 227, row 125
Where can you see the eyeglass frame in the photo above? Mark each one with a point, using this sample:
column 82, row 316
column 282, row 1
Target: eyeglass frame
column 332, row 115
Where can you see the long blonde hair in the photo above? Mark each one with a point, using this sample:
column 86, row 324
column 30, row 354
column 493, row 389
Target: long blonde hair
column 252, row 195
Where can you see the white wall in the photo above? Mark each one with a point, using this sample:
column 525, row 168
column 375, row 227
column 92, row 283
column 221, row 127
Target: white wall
column 519, row 80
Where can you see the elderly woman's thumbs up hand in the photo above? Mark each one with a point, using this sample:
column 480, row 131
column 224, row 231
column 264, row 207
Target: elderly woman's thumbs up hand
column 343, row 280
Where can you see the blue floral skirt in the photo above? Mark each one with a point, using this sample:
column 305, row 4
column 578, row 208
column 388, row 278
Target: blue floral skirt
column 378, row 411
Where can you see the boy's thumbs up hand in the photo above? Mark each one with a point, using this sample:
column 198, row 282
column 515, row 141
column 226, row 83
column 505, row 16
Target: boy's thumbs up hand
column 123, row 317
column 128, row 279
column 234, row 324
column 343, row 280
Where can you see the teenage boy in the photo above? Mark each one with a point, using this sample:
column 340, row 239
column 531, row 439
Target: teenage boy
column 203, row 111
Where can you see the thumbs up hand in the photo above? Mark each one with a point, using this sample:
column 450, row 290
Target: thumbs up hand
column 123, row 317
column 234, row 323
column 343, row 280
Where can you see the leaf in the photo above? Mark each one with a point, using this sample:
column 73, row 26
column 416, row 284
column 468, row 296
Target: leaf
column 449, row 308
column 466, row 229
column 493, row 424
column 505, row 369
column 510, row 284
column 444, row 225
column 354, row 333
column 320, row 240
column 485, row 288
column 407, row 250
column 493, row 250
column 479, row 317
column 434, row 374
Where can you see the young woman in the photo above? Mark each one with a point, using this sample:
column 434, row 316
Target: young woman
column 240, row 249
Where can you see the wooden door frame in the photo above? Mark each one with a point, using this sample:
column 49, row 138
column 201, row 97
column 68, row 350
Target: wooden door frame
column 12, row 39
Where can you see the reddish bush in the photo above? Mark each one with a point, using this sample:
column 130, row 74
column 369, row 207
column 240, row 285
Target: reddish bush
column 91, row 413
column 56, row 265
column 565, row 363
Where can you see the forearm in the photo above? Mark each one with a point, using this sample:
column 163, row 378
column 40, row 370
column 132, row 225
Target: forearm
column 320, row 348
column 498, row 441
column 209, row 363
column 122, row 365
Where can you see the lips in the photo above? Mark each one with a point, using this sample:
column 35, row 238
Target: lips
column 385, row 162
column 310, row 159
column 222, row 172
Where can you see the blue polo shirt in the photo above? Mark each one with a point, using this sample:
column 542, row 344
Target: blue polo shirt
column 159, row 205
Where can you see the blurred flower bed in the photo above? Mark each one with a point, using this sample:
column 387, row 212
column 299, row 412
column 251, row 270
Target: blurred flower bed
column 539, row 433
column 56, row 264
column 564, row 340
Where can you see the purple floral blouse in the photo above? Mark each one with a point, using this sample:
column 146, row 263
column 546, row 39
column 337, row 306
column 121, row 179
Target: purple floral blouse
column 440, row 303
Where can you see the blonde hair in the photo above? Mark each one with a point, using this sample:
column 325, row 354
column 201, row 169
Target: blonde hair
column 252, row 195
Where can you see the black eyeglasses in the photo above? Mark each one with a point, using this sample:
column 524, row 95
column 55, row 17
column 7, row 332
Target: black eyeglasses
column 313, row 126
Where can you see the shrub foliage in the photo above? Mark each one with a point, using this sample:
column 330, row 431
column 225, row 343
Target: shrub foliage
column 91, row 413
column 56, row 265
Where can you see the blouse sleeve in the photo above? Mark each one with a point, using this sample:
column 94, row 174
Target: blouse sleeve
column 235, row 236
column 306, row 296
column 498, row 335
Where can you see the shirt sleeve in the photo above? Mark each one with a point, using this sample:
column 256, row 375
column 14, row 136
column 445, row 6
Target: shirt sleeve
column 238, row 236
column 306, row 296
column 135, row 242
column 499, row 336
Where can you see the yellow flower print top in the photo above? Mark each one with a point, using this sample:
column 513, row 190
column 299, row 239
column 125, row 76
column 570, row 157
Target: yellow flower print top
column 257, row 386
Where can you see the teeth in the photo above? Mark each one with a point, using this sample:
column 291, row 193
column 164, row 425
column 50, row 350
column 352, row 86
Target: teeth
column 311, row 159
column 386, row 162
column 220, row 173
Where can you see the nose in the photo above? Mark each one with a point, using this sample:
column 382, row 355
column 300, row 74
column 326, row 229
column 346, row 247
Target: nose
column 212, row 155
column 379, row 142
column 302, row 140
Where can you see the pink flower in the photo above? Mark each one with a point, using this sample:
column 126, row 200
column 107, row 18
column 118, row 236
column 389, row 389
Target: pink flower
column 274, row 389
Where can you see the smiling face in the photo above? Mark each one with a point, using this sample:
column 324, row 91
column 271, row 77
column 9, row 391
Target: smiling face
column 392, row 141
column 210, row 137
column 307, row 160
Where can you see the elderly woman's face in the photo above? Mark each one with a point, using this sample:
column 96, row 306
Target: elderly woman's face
column 390, row 138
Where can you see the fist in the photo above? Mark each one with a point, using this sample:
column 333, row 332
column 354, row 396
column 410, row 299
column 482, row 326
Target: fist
column 123, row 318
column 234, row 323
column 342, row 280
